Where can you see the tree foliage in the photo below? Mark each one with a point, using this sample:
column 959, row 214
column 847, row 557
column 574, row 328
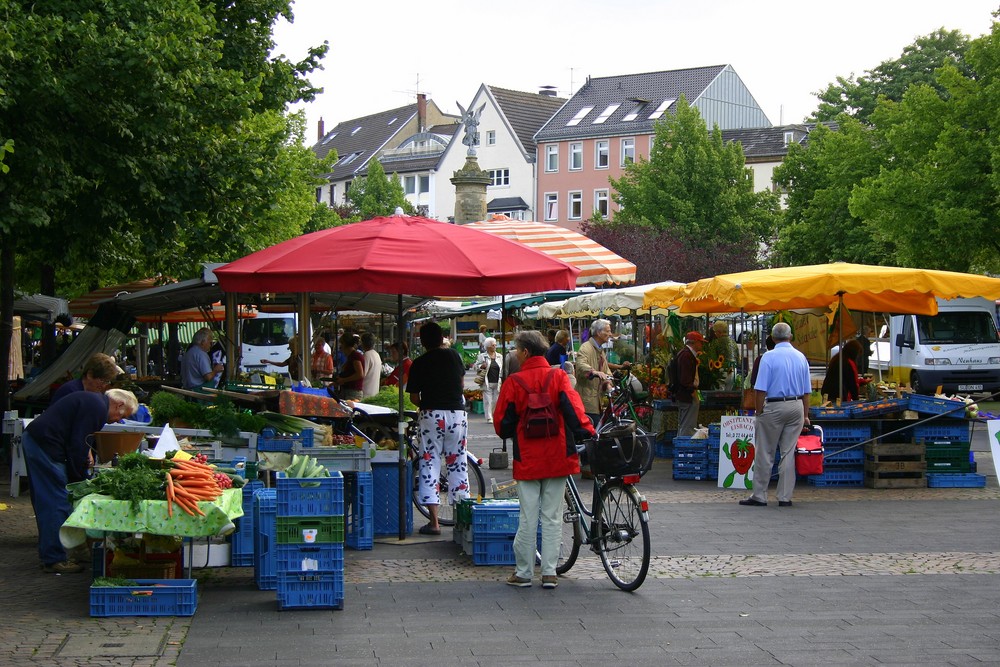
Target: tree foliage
column 376, row 194
column 917, row 64
column 912, row 179
column 151, row 136
column 818, row 226
column 695, row 193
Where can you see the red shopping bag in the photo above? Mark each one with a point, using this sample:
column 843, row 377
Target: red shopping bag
column 809, row 452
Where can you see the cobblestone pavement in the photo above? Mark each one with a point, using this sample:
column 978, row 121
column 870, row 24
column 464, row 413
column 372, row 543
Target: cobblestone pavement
column 940, row 545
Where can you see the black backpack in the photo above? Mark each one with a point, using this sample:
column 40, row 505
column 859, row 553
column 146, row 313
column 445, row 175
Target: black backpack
column 541, row 419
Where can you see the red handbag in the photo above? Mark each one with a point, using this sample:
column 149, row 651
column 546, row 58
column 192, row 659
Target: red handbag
column 809, row 452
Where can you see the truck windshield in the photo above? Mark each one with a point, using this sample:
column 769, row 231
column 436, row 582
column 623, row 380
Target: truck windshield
column 957, row 327
column 268, row 331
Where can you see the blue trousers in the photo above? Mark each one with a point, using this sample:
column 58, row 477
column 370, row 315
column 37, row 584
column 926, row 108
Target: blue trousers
column 49, row 499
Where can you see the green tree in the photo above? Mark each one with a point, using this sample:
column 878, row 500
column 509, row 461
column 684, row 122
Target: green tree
column 918, row 63
column 937, row 198
column 696, row 187
column 376, row 194
column 150, row 136
column 819, row 177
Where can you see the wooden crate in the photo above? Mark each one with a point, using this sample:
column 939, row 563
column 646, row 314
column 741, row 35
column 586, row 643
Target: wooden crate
column 895, row 466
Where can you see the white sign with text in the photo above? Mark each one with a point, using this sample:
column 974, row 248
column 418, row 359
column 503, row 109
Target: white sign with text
column 736, row 452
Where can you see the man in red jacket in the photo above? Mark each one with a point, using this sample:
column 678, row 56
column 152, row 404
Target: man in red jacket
column 541, row 464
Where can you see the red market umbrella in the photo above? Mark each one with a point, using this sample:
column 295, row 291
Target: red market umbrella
column 398, row 255
column 598, row 265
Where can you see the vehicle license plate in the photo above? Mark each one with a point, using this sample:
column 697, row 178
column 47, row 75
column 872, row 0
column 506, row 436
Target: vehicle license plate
column 970, row 387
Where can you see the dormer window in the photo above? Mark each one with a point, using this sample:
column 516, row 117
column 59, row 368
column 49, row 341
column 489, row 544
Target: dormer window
column 789, row 137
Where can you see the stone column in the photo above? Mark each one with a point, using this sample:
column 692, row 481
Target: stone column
column 470, row 192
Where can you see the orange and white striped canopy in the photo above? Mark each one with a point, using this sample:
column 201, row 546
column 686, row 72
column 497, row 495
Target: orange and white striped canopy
column 598, row 265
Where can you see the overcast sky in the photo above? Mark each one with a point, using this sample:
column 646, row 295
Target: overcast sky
column 784, row 50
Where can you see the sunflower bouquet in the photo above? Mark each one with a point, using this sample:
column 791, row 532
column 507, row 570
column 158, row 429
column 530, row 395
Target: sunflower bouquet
column 713, row 364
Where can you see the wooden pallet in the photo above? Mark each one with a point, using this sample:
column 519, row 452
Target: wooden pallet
column 893, row 479
column 895, row 466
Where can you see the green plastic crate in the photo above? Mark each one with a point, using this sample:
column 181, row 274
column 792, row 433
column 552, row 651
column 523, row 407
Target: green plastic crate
column 296, row 529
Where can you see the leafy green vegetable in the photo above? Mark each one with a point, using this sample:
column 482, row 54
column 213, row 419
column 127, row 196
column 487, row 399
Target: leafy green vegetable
column 131, row 484
column 116, row 582
column 388, row 397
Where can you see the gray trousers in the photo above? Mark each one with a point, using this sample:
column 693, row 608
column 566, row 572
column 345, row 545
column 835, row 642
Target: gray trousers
column 778, row 428
column 687, row 418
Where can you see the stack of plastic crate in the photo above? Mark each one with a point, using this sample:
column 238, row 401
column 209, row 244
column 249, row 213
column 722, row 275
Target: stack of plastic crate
column 691, row 458
column 714, row 440
column 385, row 499
column 241, row 549
column 310, row 542
column 493, row 527
column 265, row 507
column 843, row 458
column 359, row 525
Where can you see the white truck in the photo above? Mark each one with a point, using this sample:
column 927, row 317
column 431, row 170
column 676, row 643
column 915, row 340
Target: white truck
column 958, row 349
column 264, row 339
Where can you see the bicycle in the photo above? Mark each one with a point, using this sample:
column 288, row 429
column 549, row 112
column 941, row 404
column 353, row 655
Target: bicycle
column 373, row 432
column 616, row 526
column 629, row 404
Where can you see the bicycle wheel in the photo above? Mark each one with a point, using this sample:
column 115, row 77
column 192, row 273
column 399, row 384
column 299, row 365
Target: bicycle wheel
column 569, row 547
column 623, row 536
column 446, row 511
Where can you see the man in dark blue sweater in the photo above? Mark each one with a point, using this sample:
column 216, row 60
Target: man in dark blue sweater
column 57, row 453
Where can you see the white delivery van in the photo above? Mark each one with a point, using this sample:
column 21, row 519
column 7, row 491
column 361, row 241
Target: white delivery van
column 266, row 337
column 958, row 349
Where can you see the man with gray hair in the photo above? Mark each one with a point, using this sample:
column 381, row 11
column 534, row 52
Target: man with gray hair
column 197, row 369
column 782, row 407
column 593, row 370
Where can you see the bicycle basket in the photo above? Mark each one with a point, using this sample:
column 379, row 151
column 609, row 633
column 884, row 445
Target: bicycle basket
column 619, row 450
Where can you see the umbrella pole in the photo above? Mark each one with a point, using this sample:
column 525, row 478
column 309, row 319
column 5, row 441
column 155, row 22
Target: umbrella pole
column 404, row 487
column 840, row 339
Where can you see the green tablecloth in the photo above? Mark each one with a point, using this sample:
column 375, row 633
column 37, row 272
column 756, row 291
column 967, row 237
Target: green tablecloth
column 100, row 514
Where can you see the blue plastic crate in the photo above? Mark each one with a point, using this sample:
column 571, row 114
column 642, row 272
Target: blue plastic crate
column 846, row 434
column 936, row 406
column 688, row 442
column 662, row 404
column 849, row 478
column 313, row 590
column 955, row 480
column 385, row 499
column 314, row 391
column 149, row 597
column 495, row 520
column 882, row 406
column 715, row 430
column 312, row 558
column 310, row 496
column 841, row 458
column 241, row 544
column 270, row 441
column 688, row 475
column 265, row 539
column 495, row 550
column 690, row 455
column 359, row 526
column 942, row 430
column 690, row 466
column 831, row 412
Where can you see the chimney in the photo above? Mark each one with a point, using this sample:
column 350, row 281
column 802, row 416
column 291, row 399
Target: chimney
column 421, row 112
column 320, row 131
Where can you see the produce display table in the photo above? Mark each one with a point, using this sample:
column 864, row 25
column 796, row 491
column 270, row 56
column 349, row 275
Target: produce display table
column 96, row 514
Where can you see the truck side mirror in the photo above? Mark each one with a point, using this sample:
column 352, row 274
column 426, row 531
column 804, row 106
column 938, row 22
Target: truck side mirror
column 902, row 342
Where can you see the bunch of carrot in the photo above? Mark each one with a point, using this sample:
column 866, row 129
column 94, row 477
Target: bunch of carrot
column 189, row 483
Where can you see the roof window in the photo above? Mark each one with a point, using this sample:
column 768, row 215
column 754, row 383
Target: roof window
column 329, row 138
column 355, row 130
column 575, row 120
column 660, row 109
column 606, row 114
